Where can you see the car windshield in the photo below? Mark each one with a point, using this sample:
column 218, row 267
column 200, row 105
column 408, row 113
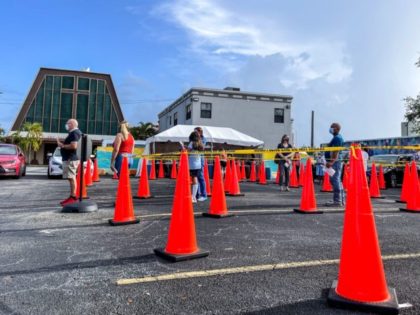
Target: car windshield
column 384, row 158
column 7, row 150
column 57, row 152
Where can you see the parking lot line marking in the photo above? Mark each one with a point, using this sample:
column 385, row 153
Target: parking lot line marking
column 247, row 269
column 262, row 211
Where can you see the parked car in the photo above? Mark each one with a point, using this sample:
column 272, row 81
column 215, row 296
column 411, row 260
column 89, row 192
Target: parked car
column 393, row 166
column 12, row 161
column 55, row 164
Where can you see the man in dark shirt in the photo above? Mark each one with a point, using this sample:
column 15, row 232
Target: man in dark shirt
column 70, row 158
column 333, row 161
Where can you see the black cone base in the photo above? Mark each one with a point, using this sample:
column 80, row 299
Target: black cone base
column 235, row 195
column 262, row 184
column 400, row 201
column 388, row 307
column 217, row 216
column 326, row 191
column 410, row 210
column 83, row 206
column 115, row 223
column 137, row 197
column 308, row 211
column 175, row 258
column 380, row 197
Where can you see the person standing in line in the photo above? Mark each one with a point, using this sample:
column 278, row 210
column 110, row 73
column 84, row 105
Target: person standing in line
column 333, row 161
column 319, row 167
column 71, row 161
column 123, row 147
column 194, row 161
column 284, row 162
column 202, row 192
column 365, row 156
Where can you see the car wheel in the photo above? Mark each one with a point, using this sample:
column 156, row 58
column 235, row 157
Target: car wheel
column 48, row 174
column 24, row 171
column 18, row 174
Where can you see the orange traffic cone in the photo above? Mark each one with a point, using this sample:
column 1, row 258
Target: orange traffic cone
column 278, row 174
column 143, row 190
column 152, row 175
column 262, row 176
column 88, row 174
column 228, row 176
column 207, row 178
column 84, row 189
column 253, row 173
column 243, row 172
column 95, row 176
column 124, row 211
column 413, row 199
column 238, row 170
column 405, row 185
column 361, row 279
column 173, row 171
column 293, row 177
column 218, row 207
column 374, row 185
column 381, row 178
column 308, row 201
column 161, row 173
column 235, row 190
column 182, row 241
column 302, row 175
column 326, row 185
column 346, row 177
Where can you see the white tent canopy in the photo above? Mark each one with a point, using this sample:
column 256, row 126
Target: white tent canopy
column 212, row 134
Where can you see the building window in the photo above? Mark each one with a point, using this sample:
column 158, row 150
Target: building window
column 205, row 110
column 279, row 115
column 68, row 83
column 175, row 119
column 83, row 84
column 188, row 112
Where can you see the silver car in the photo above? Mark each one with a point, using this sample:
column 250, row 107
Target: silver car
column 55, row 164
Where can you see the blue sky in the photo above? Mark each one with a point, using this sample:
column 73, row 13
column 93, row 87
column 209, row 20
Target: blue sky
column 350, row 61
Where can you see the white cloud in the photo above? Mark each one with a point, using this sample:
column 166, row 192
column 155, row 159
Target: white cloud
column 216, row 34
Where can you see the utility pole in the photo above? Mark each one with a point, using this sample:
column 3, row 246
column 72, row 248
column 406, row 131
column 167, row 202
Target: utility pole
column 312, row 128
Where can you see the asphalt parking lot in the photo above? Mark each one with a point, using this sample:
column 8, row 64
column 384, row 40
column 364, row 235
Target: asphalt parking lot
column 56, row 263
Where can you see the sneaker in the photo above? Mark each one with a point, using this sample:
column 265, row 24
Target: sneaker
column 287, row 189
column 202, row 199
column 194, row 200
column 64, row 201
column 281, row 188
column 69, row 200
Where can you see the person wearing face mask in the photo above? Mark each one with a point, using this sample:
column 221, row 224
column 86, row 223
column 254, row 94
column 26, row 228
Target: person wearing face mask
column 70, row 159
column 333, row 161
column 284, row 162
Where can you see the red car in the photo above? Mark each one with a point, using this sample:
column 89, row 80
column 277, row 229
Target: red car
column 12, row 161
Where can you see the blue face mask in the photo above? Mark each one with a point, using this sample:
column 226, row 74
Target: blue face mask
column 331, row 131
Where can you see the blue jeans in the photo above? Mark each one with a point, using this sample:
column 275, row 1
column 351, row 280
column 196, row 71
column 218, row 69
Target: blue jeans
column 339, row 196
column 118, row 162
column 284, row 173
column 201, row 184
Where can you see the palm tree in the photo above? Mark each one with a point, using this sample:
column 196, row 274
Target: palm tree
column 31, row 140
column 143, row 130
column 2, row 133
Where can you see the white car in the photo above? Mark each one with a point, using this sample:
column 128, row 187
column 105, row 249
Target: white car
column 55, row 164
